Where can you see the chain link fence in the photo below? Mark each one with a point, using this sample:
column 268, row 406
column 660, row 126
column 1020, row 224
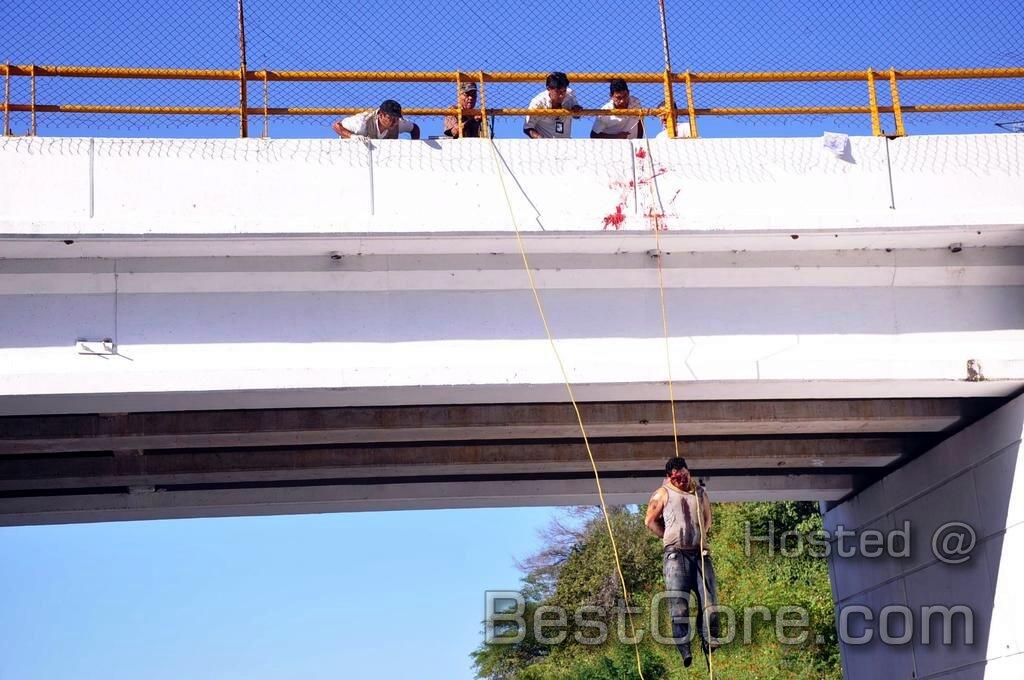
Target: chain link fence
column 747, row 44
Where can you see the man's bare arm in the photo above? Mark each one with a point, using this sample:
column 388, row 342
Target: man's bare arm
column 706, row 507
column 341, row 130
column 654, row 521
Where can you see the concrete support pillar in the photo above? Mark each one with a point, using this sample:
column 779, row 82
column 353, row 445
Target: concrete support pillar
column 967, row 492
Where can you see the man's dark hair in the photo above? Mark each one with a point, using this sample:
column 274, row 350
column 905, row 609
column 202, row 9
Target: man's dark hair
column 557, row 79
column 391, row 108
column 676, row 463
column 618, row 85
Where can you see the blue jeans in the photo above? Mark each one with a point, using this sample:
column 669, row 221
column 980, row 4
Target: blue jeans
column 684, row 571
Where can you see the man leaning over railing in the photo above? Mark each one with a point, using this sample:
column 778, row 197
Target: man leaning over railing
column 557, row 95
column 384, row 122
column 619, row 127
column 680, row 131
column 470, row 124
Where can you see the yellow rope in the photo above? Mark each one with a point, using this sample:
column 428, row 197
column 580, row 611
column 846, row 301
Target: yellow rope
column 572, row 398
column 664, row 326
column 672, row 401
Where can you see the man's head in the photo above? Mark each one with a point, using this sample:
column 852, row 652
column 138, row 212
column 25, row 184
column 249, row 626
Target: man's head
column 467, row 96
column 388, row 114
column 557, row 84
column 677, row 472
column 620, row 93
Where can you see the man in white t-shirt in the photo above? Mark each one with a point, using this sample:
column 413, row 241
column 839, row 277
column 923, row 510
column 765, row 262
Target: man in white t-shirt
column 384, row 122
column 619, row 127
column 681, row 130
column 556, row 96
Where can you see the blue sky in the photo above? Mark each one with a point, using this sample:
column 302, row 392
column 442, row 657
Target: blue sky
column 359, row 595
column 378, row 594
column 593, row 36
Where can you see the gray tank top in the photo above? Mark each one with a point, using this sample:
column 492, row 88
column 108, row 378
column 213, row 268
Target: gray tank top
column 681, row 521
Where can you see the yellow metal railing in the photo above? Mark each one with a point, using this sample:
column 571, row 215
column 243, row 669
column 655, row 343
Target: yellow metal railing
column 688, row 79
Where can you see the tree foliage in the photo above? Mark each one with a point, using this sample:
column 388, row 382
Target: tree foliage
column 575, row 568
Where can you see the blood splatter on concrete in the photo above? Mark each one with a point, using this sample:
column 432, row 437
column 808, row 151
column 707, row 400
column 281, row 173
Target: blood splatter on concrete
column 616, row 218
column 626, row 188
column 655, row 219
column 647, row 180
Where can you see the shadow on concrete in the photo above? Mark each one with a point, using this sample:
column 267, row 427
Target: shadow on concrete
column 58, row 320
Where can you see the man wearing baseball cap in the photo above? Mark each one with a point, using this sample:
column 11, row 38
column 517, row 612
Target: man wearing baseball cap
column 679, row 513
column 384, row 122
column 470, row 124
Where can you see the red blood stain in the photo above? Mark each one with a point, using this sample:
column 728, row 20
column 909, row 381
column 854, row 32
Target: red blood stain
column 643, row 181
column 640, row 153
column 655, row 219
column 615, row 219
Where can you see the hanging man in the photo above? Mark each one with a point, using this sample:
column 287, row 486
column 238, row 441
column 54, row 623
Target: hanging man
column 679, row 513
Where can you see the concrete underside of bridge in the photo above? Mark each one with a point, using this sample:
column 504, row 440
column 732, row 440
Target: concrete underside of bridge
column 185, row 464
column 205, row 327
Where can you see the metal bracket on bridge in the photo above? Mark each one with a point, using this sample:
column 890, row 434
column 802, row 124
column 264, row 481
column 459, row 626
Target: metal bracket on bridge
column 104, row 347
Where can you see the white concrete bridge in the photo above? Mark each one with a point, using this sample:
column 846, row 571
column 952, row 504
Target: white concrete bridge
column 217, row 327
column 202, row 328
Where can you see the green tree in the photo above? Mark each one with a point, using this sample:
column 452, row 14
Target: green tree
column 575, row 568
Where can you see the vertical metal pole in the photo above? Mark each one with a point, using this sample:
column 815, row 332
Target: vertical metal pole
column 690, row 110
column 7, row 99
column 670, row 117
column 483, row 107
column 664, row 35
column 243, row 90
column 670, row 106
column 458, row 104
column 266, row 105
column 876, row 123
column 32, row 124
column 897, row 110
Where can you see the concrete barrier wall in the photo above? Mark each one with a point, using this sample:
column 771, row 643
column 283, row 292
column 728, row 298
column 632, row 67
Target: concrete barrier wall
column 332, row 272
column 118, row 186
column 975, row 478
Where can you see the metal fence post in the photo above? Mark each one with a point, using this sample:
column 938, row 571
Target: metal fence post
column 243, row 84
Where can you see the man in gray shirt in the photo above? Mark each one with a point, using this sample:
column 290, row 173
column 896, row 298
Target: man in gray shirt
column 679, row 513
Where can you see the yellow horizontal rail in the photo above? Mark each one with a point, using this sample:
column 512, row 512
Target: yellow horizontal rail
column 870, row 76
column 495, row 76
column 321, row 111
column 840, row 76
column 426, row 111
